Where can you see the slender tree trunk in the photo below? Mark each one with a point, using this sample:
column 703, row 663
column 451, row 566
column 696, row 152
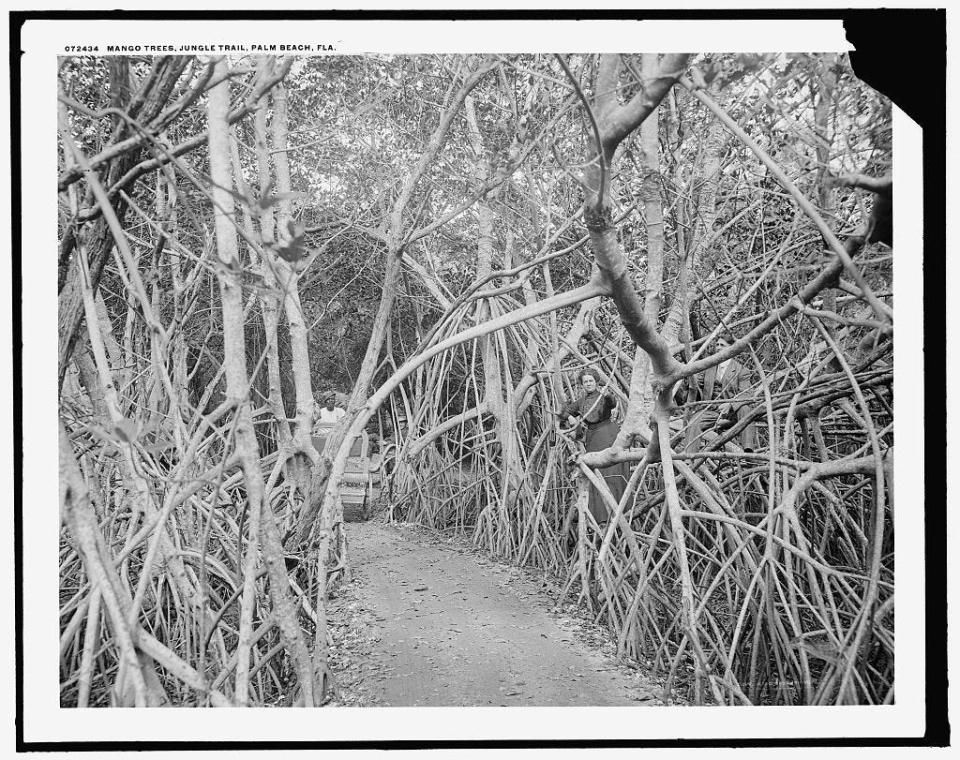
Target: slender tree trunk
column 640, row 406
column 261, row 521
column 702, row 238
column 501, row 412
column 289, row 279
column 826, row 194
column 270, row 300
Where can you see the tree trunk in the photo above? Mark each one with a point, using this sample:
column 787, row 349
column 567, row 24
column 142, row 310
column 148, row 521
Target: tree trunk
column 288, row 276
column 640, row 407
column 501, row 412
column 262, row 524
column 270, row 300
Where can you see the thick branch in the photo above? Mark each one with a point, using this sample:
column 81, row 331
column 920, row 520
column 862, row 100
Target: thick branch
column 620, row 122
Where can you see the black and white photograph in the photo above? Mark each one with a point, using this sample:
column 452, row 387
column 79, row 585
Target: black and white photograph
column 470, row 379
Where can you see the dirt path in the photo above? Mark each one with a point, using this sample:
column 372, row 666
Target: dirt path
column 429, row 622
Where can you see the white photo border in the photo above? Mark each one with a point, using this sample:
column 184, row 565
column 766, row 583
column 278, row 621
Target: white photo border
column 43, row 40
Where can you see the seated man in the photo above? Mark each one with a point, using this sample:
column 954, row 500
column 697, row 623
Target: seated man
column 324, row 418
column 330, row 413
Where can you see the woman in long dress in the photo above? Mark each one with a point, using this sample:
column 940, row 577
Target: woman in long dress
column 594, row 408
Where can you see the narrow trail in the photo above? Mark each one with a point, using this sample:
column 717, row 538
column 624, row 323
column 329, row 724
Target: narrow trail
column 427, row 621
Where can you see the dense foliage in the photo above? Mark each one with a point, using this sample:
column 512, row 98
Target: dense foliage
column 387, row 213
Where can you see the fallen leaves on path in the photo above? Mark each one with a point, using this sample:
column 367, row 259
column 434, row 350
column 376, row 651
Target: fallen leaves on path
column 433, row 662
